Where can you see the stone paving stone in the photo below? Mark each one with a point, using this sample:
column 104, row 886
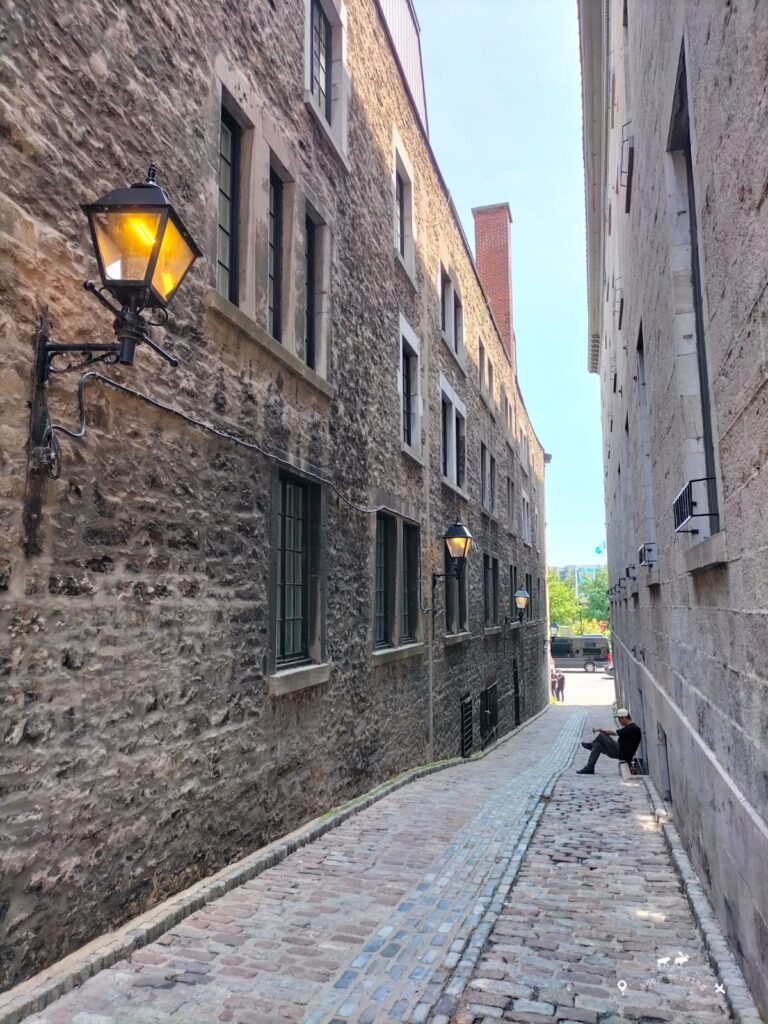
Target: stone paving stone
column 404, row 883
column 597, row 902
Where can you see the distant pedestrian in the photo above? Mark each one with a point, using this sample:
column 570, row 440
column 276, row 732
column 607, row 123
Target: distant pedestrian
column 628, row 736
column 560, row 694
column 553, row 684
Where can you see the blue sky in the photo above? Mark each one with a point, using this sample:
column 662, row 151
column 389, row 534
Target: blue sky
column 504, row 100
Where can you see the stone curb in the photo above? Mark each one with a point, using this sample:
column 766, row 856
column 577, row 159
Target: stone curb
column 444, row 1006
column 36, row 993
column 737, row 994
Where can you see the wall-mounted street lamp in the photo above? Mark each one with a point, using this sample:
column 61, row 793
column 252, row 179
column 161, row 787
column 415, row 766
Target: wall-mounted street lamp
column 144, row 252
column 458, row 541
column 522, row 597
column 553, row 628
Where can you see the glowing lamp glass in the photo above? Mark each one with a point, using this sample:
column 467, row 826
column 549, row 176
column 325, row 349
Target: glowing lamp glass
column 458, row 541
column 522, row 597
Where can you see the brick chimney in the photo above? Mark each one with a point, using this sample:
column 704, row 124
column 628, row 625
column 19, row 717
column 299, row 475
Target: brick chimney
column 493, row 255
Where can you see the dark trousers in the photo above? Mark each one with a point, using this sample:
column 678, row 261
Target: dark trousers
column 603, row 744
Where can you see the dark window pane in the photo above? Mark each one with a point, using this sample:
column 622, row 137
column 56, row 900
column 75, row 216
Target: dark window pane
column 410, row 581
column 446, row 435
column 229, row 149
column 292, row 572
column 310, row 272
column 321, row 59
column 408, row 373
column 381, row 630
column 400, row 212
column 275, row 254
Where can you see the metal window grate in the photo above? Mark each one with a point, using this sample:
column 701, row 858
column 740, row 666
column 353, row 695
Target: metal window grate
column 684, row 505
column 465, row 708
column 646, row 555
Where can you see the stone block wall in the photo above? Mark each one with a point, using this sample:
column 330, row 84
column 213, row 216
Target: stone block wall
column 143, row 742
column 688, row 630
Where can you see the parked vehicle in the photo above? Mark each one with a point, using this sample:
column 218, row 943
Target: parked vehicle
column 588, row 651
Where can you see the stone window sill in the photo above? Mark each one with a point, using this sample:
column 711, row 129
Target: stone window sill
column 491, row 630
column 451, row 639
column 250, row 330
column 328, row 131
column 407, row 450
column 387, row 655
column 408, row 268
column 456, row 358
column 707, row 553
column 450, row 484
column 490, row 514
column 300, row 677
column 489, row 403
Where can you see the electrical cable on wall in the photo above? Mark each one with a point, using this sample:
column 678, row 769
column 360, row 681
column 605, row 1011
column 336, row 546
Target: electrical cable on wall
column 54, row 463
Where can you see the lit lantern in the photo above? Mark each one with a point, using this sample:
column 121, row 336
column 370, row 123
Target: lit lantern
column 458, row 540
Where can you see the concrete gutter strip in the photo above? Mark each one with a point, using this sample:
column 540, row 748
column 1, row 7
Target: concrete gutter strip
column 36, row 993
column 737, row 994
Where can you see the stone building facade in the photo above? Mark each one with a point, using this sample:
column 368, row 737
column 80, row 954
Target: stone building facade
column 205, row 644
column 676, row 150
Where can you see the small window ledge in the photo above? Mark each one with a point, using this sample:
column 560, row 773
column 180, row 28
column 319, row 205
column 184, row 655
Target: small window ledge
column 652, row 578
column 489, row 403
column 451, row 639
column 452, row 486
column 411, row 453
column 707, row 553
column 300, row 677
column 389, row 654
column 311, row 106
column 456, row 358
column 490, row 514
column 491, row 630
column 408, row 268
column 248, row 329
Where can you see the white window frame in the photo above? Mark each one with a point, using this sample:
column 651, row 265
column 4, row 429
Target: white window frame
column 402, row 165
column 337, row 129
column 407, row 336
column 458, row 409
column 510, row 502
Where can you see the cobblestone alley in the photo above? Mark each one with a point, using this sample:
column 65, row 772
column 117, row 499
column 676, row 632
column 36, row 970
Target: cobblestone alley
column 404, row 912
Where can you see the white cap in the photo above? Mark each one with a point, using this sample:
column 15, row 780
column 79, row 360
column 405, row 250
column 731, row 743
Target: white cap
column 622, row 713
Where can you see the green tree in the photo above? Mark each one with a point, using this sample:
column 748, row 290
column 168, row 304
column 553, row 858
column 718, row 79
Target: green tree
column 563, row 608
column 595, row 590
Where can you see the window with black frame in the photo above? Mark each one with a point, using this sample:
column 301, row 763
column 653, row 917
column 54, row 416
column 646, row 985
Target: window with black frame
column 322, row 60
column 293, row 571
column 409, row 376
column 310, row 286
column 275, row 261
column 410, row 597
column 456, row 619
column 400, row 212
column 229, row 160
column 382, row 622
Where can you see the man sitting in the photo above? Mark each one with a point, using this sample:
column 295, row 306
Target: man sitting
column 629, row 737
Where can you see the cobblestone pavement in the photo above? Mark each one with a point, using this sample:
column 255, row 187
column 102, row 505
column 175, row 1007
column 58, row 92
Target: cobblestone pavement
column 364, row 925
column 596, row 905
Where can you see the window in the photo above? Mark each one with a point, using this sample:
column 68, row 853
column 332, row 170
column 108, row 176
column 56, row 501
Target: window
column 404, row 220
column 410, row 387
column 483, row 475
column 396, row 606
column 321, row 59
column 510, row 503
column 512, row 592
column 506, row 411
column 326, row 73
column 526, row 519
column 410, row 605
column 490, row 380
column 529, row 588
column 451, row 313
column 229, row 201
column 649, row 518
column 275, row 261
column 310, row 285
column 456, row 617
column 453, row 435
column 492, row 485
column 298, row 593
column 384, row 596
column 399, row 213
column 491, row 590
column 481, row 365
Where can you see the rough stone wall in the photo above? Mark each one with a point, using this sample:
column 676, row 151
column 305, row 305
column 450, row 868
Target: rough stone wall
column 689, row 634
column 140, row 747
